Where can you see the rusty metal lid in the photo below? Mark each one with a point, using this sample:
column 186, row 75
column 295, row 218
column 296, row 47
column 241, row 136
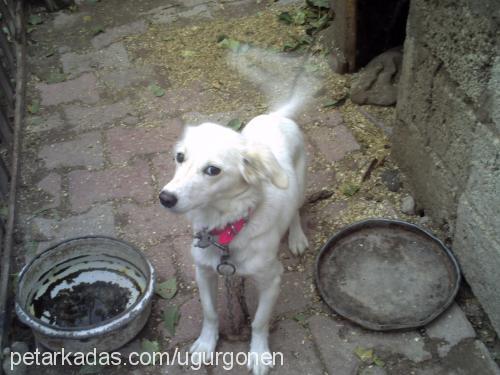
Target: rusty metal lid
column 387, row 274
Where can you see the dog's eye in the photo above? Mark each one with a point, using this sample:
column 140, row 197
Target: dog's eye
column 211, row 170
column 179, row 157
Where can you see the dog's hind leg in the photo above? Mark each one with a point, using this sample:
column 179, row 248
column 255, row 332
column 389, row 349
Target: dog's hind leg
column 297, row 240
column 203, row 348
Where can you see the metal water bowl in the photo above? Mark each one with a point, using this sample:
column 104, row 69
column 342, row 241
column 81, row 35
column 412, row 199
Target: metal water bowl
column 86, row 293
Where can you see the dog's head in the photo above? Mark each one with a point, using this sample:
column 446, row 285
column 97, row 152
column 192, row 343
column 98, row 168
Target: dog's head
column 216, row 164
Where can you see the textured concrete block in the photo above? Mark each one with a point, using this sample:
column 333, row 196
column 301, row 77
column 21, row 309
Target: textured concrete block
column 462, row 36
column 477, row 242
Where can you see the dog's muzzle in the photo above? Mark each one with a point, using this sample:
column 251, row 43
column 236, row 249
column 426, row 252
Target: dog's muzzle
column 167, row 199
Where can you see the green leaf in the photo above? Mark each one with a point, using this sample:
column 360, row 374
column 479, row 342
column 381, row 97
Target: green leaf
column 170, row 318
column 299, row 18
column 56, row 77
column 4, row 211
column 151, row 347
column 378, row 362
column 156, row 90
column 188, row 53
column 90, row 369
column 35, row 120
column 320, row 3
column 97, row 30
column 34, row 107
column 231, row 44
column 167, row 289
column 334, row 103
column 93, row 1
column 366, row 355
column 319, row 24
column 301, row 318
column 35, row 19
column 235, row 124
column 285, row 17
column 350, row 189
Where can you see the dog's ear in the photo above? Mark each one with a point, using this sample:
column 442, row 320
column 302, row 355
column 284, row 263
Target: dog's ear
column 258, row 163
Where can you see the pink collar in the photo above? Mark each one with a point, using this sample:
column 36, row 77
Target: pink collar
column 226, row 235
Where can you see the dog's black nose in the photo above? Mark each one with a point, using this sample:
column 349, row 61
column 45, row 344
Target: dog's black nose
column 167, row 199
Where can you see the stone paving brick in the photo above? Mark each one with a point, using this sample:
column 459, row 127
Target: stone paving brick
column 452, row 327
column 85, row 150
column 183, row 258
column 125, row 143
column 164, row 14
column 147, row 224
column 334, row 143
column 88, row 187
column 299, row 356
column 331, row 119
column 83, row 88
column 295, row 294
column 92, row 117
column 232, row 348
column 97, row 221
column 64, row 20
column 337, row 341
column 47, row 122
column 184, row 99
column 197, row 11
column 123, row 77
column 115, row 56
column 115, row 33
column 161, row 256
column 51, row 185
column 163, row 168
column 189, row 326
column 468, row 357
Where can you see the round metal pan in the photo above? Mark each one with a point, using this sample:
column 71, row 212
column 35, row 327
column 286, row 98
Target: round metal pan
column 387, row 274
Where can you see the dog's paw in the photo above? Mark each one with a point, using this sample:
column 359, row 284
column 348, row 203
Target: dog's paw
column 260, row 362
column 297, row 242
column 203, row 349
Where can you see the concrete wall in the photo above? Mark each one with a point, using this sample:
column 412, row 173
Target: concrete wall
column 447, row 133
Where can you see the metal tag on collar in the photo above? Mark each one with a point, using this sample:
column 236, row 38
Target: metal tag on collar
column 226, row 268
column 204, row 239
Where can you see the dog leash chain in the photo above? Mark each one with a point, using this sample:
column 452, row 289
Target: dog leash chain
column 205, row 239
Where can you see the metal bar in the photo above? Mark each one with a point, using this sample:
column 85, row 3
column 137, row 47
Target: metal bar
column 7, row 88
column 16, row 148
column 8, row 50
column 5, row 131
column 4, row 178
column 9, row 17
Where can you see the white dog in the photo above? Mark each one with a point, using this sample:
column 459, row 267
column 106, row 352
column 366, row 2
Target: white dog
column 242, row 191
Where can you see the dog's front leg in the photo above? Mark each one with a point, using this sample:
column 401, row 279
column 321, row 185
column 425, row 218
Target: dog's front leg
column 268, row 286
column 207, row 285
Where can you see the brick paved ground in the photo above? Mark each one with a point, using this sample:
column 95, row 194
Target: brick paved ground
column 95, row 160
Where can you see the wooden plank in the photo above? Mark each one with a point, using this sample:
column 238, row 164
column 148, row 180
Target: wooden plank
column 345, row 32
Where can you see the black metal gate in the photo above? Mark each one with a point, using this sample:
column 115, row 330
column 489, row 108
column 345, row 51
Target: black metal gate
column 12, row 86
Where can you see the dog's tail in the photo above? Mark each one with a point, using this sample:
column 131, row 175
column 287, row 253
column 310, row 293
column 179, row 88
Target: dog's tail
column 290, row 108
column 284, row 79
